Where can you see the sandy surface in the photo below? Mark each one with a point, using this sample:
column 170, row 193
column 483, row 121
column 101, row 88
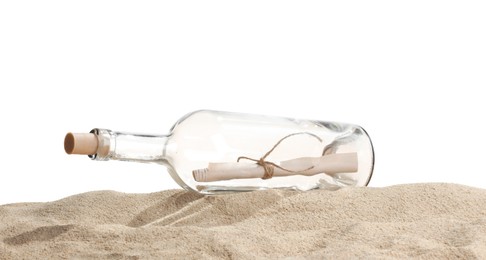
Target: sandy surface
column 415, row 220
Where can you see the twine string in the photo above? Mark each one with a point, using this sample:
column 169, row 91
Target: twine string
column 269, row 167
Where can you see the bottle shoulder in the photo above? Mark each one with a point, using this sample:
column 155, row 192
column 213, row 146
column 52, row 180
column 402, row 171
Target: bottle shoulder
column 191, row 116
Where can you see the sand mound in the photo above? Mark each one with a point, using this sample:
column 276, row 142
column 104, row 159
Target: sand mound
column 415, row 220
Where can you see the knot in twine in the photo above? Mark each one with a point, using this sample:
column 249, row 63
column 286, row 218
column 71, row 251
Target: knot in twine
column 269, row 167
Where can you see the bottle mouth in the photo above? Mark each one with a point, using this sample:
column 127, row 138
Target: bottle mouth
column 95, row 132
column 106, row 143
column 95, row 144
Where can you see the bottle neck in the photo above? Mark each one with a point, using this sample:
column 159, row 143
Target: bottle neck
column 129, row 147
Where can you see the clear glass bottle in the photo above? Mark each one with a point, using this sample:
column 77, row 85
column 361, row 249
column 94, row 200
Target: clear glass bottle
column 213, row 152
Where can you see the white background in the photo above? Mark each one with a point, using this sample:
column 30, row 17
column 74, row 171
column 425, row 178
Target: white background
column 412, row 73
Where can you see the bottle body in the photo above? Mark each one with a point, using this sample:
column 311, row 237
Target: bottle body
column 216, row 152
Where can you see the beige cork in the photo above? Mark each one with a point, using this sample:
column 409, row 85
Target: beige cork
column 81, row 143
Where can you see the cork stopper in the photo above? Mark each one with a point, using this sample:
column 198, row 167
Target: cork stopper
column 86, row 144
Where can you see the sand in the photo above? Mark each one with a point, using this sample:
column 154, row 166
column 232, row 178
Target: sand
column 406, row 221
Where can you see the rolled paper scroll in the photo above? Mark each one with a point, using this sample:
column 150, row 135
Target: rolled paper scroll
column 308, row 166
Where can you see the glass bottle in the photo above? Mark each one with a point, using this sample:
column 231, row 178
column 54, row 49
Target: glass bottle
column 214, row 152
